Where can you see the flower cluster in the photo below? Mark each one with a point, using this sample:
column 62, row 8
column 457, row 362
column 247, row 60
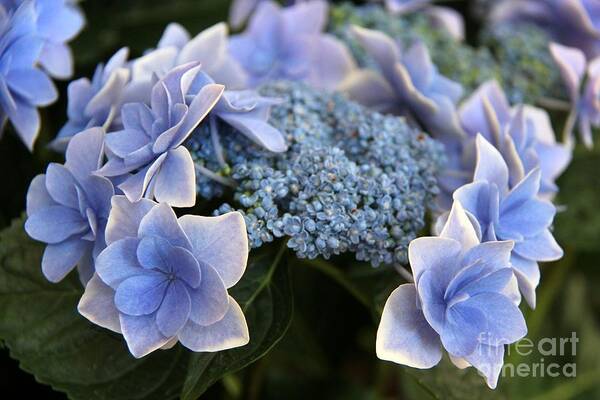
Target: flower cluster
column 33, row 37
column 251, row 125
column 352, row 180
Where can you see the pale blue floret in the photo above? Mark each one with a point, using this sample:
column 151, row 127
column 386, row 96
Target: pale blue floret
column 33, row 36
column 96, row 102
column 408, row 82
column 164, row 279
column 511, row 212
column 68, row 207
column 463, row 300
column 582, row 81
column 147, row 155
column 289, row 43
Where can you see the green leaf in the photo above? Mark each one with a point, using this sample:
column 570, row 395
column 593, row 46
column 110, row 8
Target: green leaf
column 41, row 327
column 266, row 297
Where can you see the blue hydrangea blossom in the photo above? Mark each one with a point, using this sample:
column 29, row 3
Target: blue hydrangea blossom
column 57, row 23
column 462, row 300
column 289, row 43
column 96, row 102
column 147, row 154
column 68, row 207
column 584, row 98
column 162, row 279
column 23, row 85
column 523, row 134
column 407, row 82
column 516, row 213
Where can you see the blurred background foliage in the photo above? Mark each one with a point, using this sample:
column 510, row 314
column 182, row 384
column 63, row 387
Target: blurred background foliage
column 328, row 352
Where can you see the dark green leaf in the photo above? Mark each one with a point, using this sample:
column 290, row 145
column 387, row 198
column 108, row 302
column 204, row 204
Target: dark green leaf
column 266, row 298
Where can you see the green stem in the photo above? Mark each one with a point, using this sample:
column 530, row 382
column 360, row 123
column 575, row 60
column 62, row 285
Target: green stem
column 335, row 274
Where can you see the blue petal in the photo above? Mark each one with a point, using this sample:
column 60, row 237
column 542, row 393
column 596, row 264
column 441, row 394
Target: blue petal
column 528, row 219
column 38, row 196
column 176, row 179
column 542, row 247
column 430, row 290
column 260, row 132
column 54, row 224
column 210, row 299
column 125, row 217
column 221, row 242
column 97, row 305
column 141, row 294
column 528, row 277
column 463, row 329
column 60, row 259
column 440, row 255
column 142, row 334
column 61, row 185
column 488, row 360
column 460, row 227
column 118, row 262
column 174, row 310
column 229, row 332
column 161, row 221
column 404, row 336
column 491, row 166
column 85, row 152
column 505, row 322
column 33, row 85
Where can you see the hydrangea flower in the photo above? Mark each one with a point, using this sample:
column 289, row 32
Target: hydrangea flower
column 68, row 207
column 571, row 22
column 247, row 112
column 96, row 102
column 523, row 135
column 23, row 86
column 462, row 300
column 57, row 22
column 209, row 48
column 163, row 279
column 407, row 82
column 514, row 213
column 288, row 43
column 150, row 144
column 584, row 97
